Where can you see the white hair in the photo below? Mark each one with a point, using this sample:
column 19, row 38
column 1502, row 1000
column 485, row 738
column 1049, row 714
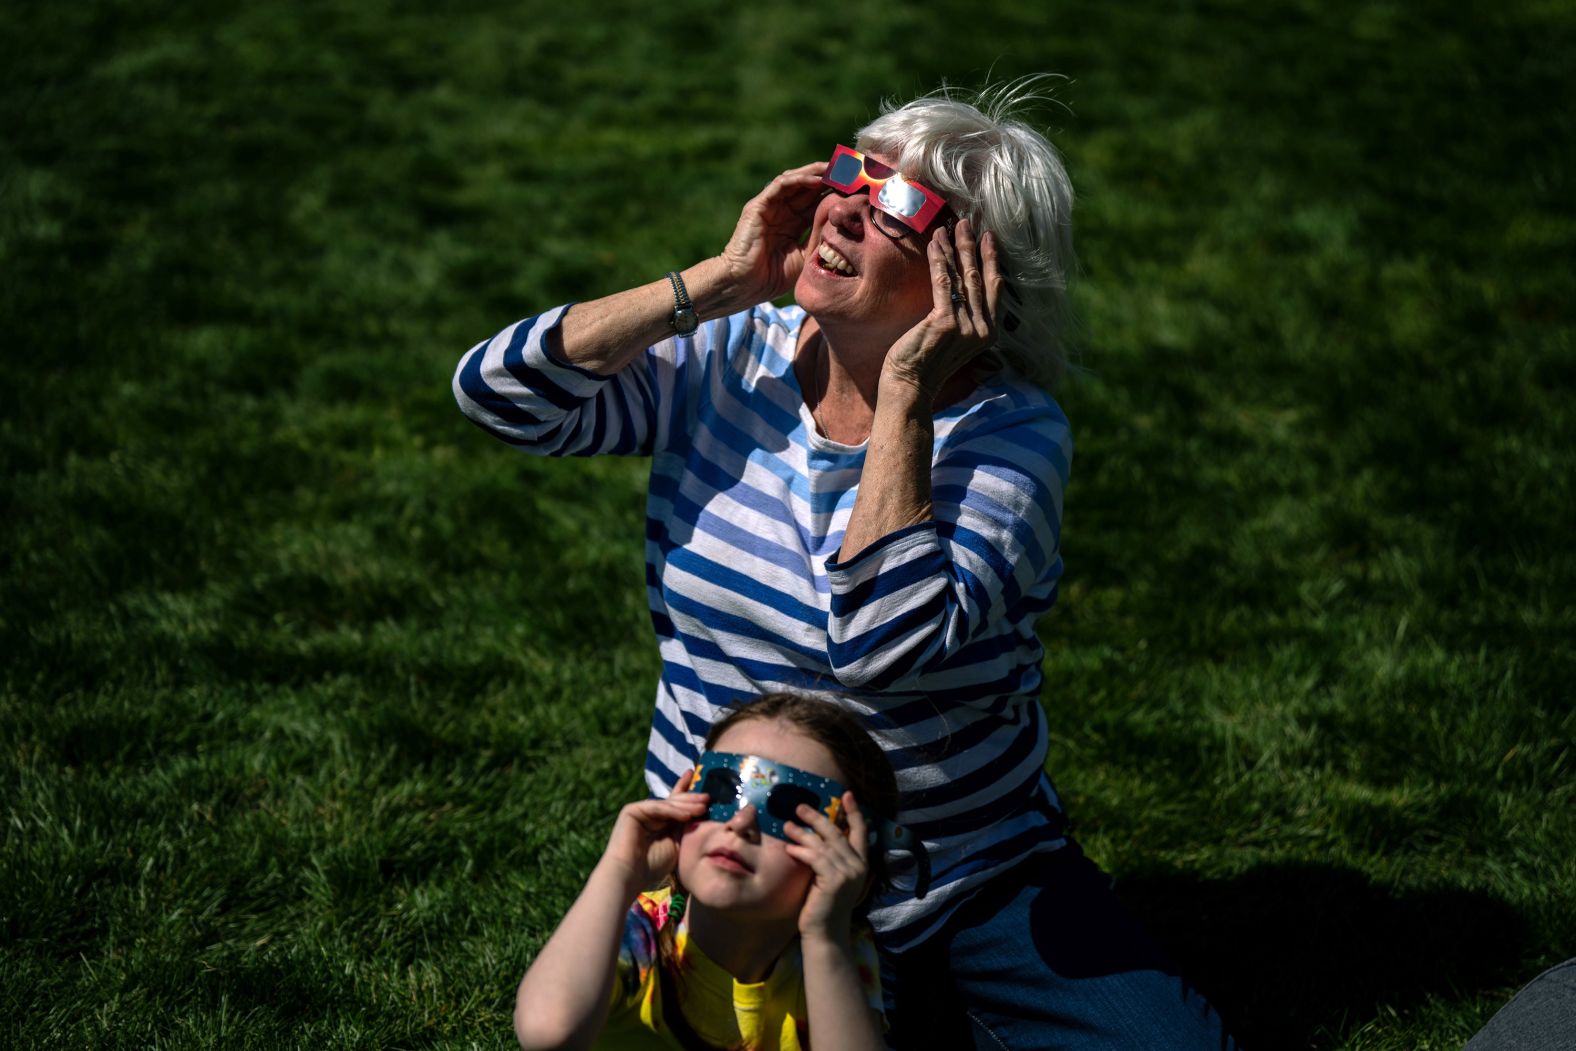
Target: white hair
column 1005, row 177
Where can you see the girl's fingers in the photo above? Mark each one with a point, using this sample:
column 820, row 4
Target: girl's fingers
column 807, row 858
column 684, row 788
column 822, row 862
column 819, row 823
column 797, row 831
column 681, row 803
column 687, row 802
column 834, row 841
column 829, row 859
column 808, row 849
column 667, row 811
column 692, row 802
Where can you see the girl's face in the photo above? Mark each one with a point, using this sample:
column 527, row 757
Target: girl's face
column 729, row 865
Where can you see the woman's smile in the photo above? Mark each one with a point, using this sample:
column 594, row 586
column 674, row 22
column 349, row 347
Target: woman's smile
column 833, row 260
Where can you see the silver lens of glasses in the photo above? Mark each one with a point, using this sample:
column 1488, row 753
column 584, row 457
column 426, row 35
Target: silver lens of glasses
column 899, row 198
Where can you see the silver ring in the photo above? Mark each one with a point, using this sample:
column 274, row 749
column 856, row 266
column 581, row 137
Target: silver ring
column 957, row 297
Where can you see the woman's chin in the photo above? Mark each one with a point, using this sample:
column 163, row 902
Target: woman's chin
column 824, row 294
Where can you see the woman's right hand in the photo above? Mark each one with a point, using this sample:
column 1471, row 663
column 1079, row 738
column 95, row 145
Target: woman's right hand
column 764, row 256
column 645, row 838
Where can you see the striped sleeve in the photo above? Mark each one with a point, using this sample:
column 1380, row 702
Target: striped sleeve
column 514, row 389
column 962, row 583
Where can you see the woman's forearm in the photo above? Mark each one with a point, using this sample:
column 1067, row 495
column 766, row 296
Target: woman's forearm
column 606, row 334
column 840, row 1018
column 894, row 487
column 760, row 261
column 564, row 996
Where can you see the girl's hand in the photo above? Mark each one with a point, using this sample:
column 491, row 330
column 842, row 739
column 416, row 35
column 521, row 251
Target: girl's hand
column 645, row 838
column 764, row 256
column 840, row 863
column 966, row 287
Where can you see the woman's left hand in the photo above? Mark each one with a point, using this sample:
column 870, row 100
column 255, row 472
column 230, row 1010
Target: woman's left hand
column 840, row 863
column 966, row 287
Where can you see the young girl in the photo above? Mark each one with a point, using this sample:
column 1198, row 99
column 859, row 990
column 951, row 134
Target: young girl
column 768, row 953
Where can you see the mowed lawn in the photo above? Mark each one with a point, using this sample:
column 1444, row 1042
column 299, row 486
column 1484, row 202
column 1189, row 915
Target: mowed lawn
column 317, row 703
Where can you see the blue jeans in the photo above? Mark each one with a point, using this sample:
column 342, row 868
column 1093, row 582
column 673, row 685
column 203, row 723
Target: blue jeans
column 1044, row 957
column 1542, row 1017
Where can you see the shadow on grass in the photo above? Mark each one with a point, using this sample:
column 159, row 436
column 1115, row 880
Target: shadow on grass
column 1296, row 955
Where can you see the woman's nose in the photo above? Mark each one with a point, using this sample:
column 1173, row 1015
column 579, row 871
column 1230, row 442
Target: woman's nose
column 848, row 213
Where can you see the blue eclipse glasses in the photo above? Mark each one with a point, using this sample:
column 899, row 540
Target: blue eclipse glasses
column 776, row 791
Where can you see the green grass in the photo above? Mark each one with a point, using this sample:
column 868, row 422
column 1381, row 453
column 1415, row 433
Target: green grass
column 317, row 703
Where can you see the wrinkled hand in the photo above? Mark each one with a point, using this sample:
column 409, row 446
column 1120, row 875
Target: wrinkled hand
column 966, row 287
column 763, row 258
column 645, row 838
column 840, row 863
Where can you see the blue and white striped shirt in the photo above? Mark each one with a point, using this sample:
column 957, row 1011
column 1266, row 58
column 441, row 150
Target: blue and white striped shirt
column 928, row 633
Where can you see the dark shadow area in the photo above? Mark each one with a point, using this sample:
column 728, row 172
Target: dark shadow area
column 1293, row 955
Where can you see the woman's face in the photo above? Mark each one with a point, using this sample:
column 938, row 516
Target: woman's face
column 729, row 865
column 864, row 266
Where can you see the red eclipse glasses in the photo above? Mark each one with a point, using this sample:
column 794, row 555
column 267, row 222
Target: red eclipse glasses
column 911, row 204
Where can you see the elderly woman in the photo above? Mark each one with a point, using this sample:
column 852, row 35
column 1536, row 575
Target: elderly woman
column 862, row 494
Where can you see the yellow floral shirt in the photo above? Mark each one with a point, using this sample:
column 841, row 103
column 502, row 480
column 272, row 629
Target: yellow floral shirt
column 722, row 1012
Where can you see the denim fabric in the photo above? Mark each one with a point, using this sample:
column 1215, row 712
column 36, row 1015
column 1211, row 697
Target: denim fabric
column 1542, row 1017
column 1044, row 957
